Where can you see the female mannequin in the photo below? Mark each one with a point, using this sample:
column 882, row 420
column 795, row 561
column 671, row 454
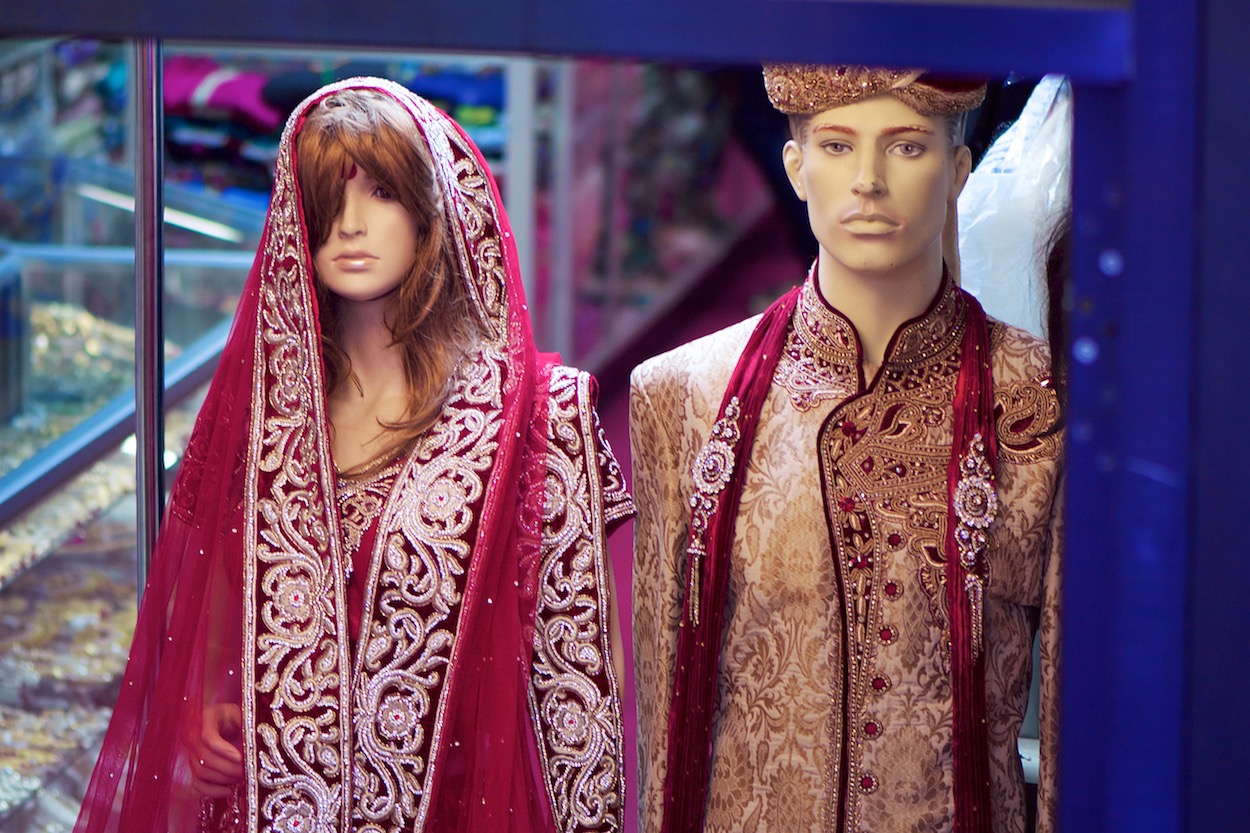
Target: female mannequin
column 380, row 600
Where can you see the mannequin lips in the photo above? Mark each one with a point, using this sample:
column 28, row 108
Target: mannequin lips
column 354, row 260
column 868, row 222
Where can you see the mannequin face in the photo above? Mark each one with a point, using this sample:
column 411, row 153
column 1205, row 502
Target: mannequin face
column 877, row 178
column 372, row 243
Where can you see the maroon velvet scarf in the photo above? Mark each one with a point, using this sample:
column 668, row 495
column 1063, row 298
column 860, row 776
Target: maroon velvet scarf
column 719, row 477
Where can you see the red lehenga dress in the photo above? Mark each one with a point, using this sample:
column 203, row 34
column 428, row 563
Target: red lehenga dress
column 424, row 648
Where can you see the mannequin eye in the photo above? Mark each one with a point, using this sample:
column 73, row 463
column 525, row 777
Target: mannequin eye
column 835, row 146
column 382, row 193
column 909, row 149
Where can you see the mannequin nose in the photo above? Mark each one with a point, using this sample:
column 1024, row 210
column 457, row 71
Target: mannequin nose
column 351, row 221
column 868, row 180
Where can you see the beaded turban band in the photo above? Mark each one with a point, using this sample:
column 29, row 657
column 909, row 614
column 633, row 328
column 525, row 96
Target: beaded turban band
column 807, row 89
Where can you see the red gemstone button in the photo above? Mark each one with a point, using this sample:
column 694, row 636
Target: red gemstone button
column 880, row 683
column 872, row 728
column 867, row 783
column 888, row 634
column 892, row 589
column 894, row 539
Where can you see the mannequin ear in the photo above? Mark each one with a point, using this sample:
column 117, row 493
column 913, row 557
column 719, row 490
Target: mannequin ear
column 963, row 167
column 792, row 158
column 950, row 232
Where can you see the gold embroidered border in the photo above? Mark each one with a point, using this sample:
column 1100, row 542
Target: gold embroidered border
column 572, row 698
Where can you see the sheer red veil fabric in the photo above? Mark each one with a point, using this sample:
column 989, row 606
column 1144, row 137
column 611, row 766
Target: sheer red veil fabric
column 248, row 564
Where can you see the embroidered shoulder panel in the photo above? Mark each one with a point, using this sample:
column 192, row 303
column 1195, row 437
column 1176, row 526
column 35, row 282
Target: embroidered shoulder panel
column 416, row 584
column 1026, row 406
column 574, row 688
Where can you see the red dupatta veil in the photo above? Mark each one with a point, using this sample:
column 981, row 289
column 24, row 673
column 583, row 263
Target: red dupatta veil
column 246, row 597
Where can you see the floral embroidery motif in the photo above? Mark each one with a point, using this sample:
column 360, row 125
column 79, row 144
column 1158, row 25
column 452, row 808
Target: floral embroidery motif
column 295, row 817
column 712, row 470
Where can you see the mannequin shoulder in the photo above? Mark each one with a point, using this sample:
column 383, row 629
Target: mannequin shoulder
column 1017, row 354
column 699, row 367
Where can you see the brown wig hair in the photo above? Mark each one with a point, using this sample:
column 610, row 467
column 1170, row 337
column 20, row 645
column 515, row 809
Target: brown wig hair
column 430, row 317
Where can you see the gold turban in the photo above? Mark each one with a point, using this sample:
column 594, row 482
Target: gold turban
column 807, row 89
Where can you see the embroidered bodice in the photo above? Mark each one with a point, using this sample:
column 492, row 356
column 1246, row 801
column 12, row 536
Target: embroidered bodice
column 822, row 352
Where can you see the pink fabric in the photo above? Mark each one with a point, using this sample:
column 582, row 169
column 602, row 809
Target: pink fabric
column 189, row 648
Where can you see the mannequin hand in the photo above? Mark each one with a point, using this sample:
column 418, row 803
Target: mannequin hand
column 216, row 762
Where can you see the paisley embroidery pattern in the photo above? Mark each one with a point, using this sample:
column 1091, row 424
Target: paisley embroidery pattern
column 576, row 715
column 884, row 457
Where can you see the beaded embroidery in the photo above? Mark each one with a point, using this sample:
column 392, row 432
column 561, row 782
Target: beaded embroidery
column 976, row 506
column 712, row 471
column 361, row 501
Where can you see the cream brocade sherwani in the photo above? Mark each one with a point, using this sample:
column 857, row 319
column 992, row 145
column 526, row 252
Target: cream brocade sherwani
column 834, row 708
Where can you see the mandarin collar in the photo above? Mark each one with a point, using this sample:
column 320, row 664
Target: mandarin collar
column 825, row 330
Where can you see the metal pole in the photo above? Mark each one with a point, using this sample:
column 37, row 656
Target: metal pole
column 149, row 279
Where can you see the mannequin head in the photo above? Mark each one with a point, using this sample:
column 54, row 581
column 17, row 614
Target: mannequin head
column 879, row 180
column 877, row 154
column 362, row 148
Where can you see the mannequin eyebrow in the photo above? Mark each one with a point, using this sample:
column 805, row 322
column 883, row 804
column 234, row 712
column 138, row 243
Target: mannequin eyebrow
column 889, row 131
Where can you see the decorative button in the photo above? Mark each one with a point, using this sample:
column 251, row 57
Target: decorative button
column 868, row 783
column 893, row 589
column 872, row 729
column 880, row 683
column 894, row 539
column 889, row 634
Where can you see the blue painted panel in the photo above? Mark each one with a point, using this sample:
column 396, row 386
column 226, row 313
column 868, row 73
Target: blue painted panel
column 1090, row 43
column 1130, row 515
column 1218, row 721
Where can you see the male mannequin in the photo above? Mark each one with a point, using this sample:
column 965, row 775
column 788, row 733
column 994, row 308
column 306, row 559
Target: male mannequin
column 846, row 533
